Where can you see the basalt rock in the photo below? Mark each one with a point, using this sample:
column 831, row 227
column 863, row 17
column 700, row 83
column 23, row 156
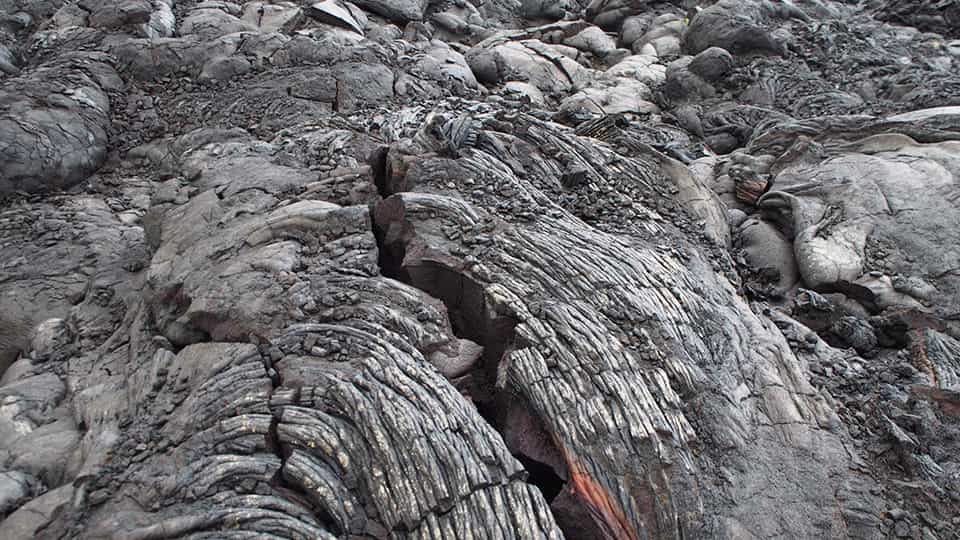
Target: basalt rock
column 941, row 17
column 737, row 27
column 40, row 277
column 510, row 269
column 55, row 122
column 835, row 220
column 402, row 10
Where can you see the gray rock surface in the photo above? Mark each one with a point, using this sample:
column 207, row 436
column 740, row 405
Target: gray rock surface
column 55, row 122
column 396, row 10
column 735, row 26
column 57, row 252
column 508, row 269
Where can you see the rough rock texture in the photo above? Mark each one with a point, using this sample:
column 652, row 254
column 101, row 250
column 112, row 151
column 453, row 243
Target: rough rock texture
column 399, row 10
column 55, row 121
column 54, row 253
column 507, row 269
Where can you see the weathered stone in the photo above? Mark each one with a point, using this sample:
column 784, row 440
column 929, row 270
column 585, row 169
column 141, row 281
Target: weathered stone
column 28, row 520
column 711, row 64
column 273, row 17
column 592, row 40
column 532, row 61
column 731, row 25
column 224, row 68
column 211, row 23
column 55, row 124
column 397, row 10
column 118, row 14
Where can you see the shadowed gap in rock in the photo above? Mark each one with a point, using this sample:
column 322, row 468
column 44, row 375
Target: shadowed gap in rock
column 542, row 476
column 524, row 434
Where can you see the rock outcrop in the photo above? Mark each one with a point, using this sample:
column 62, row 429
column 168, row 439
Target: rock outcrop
column 506, row 269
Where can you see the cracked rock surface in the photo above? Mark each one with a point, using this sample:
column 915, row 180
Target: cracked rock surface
column 613, row 270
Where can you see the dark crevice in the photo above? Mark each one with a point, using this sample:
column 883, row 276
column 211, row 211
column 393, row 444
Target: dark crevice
column 543, row 476
column 575, row 519
column 390, row 257
column 489, row 412
column 470, row 316
column 378, row 163
column 7, row 360
column 266, row 352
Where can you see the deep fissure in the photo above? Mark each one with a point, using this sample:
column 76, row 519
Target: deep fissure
column 470, row 318
column 543, row 476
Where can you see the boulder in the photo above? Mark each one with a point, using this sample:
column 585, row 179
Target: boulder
column 592, row 40
column 731, row 25
column 210, row 23
column 446, row 66
column 54, row 127
column 118, row 14
column 396, row 10
column 868, row 193
column 273, row 17
column 611, row 97
column 633, row 29
column 224, row 68
column 769, row 252
column 31, row 518
column 531, row 61
column 546, row 10
column 712, row 64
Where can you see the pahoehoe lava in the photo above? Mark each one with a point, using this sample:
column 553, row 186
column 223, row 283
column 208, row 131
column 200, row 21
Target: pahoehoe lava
column 500, row 269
